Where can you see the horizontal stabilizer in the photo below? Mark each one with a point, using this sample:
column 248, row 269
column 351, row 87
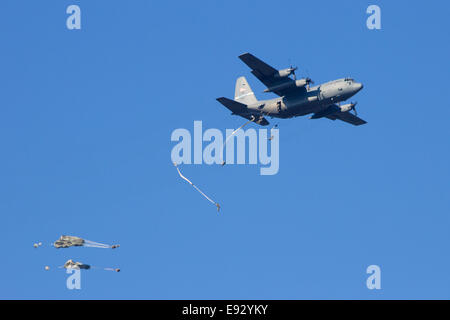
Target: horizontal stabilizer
column 240, row 109
column 234, row 106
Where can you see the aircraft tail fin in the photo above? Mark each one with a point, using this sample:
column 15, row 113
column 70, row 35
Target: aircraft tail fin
column 243, row 93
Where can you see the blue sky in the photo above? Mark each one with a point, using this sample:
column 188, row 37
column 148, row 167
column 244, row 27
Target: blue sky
column 85, row 124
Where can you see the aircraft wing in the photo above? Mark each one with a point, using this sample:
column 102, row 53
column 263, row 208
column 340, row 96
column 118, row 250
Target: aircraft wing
column 241, row 109
column 347, row 117
column 266, row 74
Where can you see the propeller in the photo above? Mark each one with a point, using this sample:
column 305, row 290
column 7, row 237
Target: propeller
column 292, row 70
column 309, row 80
column 354, row 108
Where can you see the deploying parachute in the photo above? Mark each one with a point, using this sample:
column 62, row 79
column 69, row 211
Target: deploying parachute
column 70, row 264
column 196, row 188
column 72, row 241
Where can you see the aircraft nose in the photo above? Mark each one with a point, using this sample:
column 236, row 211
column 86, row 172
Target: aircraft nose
column 359, row 86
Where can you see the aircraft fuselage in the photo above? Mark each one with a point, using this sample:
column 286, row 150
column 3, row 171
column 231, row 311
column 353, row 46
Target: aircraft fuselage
column 311, row 100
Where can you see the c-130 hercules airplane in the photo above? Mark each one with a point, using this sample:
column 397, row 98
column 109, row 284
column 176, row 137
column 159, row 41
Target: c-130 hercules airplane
column 296, row 97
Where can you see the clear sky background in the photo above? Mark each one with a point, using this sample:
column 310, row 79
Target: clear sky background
column 85, row 124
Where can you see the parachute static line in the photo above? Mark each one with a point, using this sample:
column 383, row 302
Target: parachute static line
column 89, row 243
column 106, row 269
column 196, row 188
column 228, row 138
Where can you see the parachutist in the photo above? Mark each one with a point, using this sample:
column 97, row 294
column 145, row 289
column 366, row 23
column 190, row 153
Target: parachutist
column 274, row 127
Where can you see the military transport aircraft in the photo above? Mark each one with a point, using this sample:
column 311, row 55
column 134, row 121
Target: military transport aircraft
column 296, row 97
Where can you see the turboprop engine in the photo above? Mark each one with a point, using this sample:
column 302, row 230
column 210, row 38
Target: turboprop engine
column 348, row 107
column 285, row 72
column 292, row 84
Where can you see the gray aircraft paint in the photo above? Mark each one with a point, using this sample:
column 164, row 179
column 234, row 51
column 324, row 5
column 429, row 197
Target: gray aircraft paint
column 243, row 92
column 296, row 97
